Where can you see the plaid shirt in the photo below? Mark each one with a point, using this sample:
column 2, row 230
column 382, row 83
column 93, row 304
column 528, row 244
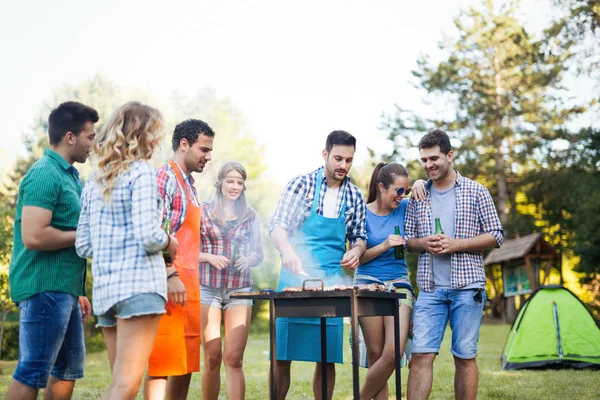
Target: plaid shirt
column 123, row 238
column 475, row 215
column 244, row 235
column 173, row 195
column 296, row 202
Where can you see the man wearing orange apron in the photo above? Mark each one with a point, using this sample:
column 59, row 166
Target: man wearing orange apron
column 176, row 352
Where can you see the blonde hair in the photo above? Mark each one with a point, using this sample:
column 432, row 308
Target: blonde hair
column 240, row 206
column 131, row 134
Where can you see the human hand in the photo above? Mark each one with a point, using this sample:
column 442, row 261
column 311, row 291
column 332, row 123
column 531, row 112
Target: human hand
column 351, row 258
column 172, row 248
column 292, row 262
column 219, row 261
column 432, row 244
column 176, row 290
column 243, row 263
column 86, row 308
column 448, row 244
column 393, row 241
column 418, row 191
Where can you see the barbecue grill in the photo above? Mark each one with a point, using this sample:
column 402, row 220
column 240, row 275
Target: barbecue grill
column 311, row 303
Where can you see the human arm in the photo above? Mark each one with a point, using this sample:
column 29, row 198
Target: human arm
column 419, row 192
column 37, row 234
column 40, row 193
column 289, row 258
column 175, row 288
column 168, row 188
column 83, row 240
column 255, row 256
column 145, row 218
column 414, row 243
column 287, row 217
column 490, row 227
column 216, row 260
column 448, row 245
column 351, row 259
column 86, row 308
column 375, row 251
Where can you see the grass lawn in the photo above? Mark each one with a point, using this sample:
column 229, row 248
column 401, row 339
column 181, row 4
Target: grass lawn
column 493, row 382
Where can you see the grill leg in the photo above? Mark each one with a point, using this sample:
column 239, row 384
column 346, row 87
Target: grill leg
column 273, row 347
column 324, row 358
column 354, row 328
column 397, row 355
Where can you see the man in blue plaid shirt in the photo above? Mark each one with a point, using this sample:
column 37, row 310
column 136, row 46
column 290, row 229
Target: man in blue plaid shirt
column 318, row 213
column 450, row 272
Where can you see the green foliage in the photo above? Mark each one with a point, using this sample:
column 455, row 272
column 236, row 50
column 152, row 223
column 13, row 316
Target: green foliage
column 232, row 142
column 578, row 31
column 502, row 102
column 10, row 341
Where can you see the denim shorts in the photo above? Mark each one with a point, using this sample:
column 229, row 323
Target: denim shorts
column 135, row 306
column 50, row 339
column 219, row 297
column 434, row 310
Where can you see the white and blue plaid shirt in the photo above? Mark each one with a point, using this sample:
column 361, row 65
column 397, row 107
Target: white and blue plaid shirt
column 296, row 202
column 123, row 238
column 475, row 214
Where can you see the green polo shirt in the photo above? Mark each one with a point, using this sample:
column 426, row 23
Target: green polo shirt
column 51, row 183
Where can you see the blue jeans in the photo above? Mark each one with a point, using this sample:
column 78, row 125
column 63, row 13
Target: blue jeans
column 432, row 313
column 50, row 339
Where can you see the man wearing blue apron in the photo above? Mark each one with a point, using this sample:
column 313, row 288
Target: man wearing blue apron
column 317, row 214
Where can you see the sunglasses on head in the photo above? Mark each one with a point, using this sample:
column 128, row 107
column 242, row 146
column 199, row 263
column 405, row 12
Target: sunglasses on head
column 400, row 191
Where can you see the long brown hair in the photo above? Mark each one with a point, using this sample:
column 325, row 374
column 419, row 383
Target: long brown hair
column 240, row 206
column 385, row 174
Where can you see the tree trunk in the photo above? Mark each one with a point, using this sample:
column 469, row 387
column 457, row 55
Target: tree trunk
column 499, row 134
column 502, row 187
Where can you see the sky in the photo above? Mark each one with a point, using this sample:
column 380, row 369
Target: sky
column 296, row 70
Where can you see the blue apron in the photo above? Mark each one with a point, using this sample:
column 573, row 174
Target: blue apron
column 320, row 243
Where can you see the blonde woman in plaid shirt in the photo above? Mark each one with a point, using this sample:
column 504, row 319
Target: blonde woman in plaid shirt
column 120, row 230
column 230, row 246
column 450, row 271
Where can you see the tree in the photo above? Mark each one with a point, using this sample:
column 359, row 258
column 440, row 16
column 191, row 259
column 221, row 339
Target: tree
column 503, row 90
column 6, row 305
column 232, row 142
column 578, row 31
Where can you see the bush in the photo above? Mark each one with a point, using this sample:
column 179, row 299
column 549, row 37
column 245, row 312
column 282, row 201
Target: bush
column 10, row 341
column 94, row 341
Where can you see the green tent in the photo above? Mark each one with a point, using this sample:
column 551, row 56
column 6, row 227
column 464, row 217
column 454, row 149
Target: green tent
column 553, row 330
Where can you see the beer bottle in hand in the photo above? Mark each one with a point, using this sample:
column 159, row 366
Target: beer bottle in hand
column 234, row 257
column 438, row 227
column 398, row 250
column 166, row 254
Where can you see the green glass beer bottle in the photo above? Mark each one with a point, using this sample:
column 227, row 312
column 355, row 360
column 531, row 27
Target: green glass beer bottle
column 235, row 256
column 398, row 250
column 167, row 229
column 438, row 227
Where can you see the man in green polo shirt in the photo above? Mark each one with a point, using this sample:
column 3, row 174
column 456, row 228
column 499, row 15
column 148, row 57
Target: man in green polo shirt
column 46, row 276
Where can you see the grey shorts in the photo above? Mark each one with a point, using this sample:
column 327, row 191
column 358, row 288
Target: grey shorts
column 219, row 297
column 140, row 304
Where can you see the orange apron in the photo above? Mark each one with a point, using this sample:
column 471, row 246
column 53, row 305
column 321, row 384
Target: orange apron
column 177, row 347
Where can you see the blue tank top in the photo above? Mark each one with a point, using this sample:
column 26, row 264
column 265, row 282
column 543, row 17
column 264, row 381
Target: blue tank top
column 384, row 267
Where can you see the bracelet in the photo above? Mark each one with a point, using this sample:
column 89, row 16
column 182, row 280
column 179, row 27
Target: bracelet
column 168, row 241
column 172, row 274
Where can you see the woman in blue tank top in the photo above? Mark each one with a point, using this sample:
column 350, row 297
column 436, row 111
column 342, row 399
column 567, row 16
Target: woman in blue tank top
column 386, row 206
